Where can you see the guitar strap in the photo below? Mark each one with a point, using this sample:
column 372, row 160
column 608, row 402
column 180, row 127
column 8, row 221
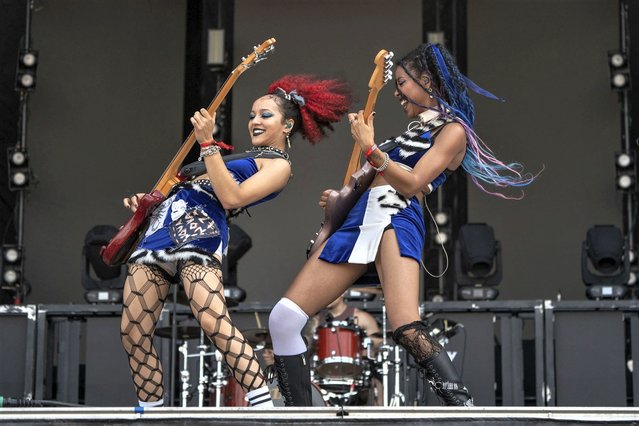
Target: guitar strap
column 426, row 133
column 198, row 168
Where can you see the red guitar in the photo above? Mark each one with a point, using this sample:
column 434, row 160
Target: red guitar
column 355, row 181
column 126, row 240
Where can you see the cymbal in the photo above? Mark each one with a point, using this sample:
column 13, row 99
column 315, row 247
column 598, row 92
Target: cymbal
column 258, row 336
column 184, row 332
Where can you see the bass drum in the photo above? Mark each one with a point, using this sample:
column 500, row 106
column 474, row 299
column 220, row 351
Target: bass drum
column 316, row 395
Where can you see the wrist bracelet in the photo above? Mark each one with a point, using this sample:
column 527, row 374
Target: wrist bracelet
column 384, row 165
column 208, row 143
column 208, row 151
column 370, row 151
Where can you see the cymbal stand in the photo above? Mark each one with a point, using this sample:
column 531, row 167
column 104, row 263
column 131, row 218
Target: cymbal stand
column 219, row 376
column 184, row 374
column 384, row 349
column 397, row 399
column 203, row 380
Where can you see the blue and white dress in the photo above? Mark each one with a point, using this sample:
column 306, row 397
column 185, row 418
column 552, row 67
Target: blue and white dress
column 190, row 225
column 382, row 207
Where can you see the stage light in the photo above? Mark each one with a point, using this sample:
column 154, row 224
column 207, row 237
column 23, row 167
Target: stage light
column 216, row 54
column 26, row 70
column 624, row 160
column 19, row 179
column 619, row 70
column 103, row 283
column 625, row 182
column 477, row 262
column 616, row 59
column 620, row 80
column 18, row 169
column 625, row 170
column 441, row 238
column 11, row 276
column 441, row 218
column 12, row 261
column 440, row 231
column 605, row 263
column 29, row 59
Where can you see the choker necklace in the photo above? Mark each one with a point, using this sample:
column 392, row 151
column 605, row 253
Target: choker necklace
column 278, row 151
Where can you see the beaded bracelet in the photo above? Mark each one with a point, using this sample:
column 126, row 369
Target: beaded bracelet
column 208, row 151
column 384, row 165
column 370, row 151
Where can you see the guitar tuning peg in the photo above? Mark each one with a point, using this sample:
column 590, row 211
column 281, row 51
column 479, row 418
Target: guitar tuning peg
column 313, row 241
column 244, row 58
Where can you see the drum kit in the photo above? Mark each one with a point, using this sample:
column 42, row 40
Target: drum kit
column 347, row 366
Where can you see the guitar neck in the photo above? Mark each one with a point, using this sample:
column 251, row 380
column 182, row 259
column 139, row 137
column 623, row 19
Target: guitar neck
column 174, row 167
column 354, row 162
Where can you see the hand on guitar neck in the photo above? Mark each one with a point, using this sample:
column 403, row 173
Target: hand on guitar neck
column 133, row 201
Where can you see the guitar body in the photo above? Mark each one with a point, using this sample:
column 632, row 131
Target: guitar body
column 340, row 203
column 126, row 240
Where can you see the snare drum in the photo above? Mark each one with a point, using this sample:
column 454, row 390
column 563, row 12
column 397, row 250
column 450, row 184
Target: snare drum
column 338, row 351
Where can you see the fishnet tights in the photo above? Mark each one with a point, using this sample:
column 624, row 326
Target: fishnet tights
column 415, row 338
column 145, row 292
column 203, row 286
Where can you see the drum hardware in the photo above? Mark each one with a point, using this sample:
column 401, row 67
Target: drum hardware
column 185, row 376
column 383, row 350
column 398, row 398
column 219, row 375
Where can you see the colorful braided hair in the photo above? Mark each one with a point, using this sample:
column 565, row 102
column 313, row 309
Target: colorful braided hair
column 312, row 103
column 450, row 88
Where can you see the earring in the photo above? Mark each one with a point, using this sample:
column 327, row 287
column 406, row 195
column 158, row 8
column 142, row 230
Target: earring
column 288, row 141
column 430, row 92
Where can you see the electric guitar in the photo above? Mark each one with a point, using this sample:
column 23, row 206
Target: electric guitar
column 126, row 240
column 357, row 179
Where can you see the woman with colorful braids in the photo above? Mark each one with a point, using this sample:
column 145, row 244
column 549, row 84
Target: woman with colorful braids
column 386, row 226
column 188, row 233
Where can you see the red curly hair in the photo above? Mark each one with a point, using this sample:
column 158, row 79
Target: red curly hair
column 325, row 102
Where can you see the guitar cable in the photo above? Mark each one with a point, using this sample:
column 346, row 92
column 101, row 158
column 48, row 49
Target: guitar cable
column 440, row 243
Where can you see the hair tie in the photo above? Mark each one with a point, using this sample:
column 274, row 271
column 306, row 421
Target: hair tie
column 292, row 96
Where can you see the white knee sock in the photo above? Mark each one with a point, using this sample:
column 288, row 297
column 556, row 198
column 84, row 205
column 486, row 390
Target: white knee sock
column 286, row 322
column 260, row 397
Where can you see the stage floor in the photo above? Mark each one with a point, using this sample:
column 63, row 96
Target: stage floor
column 324, row 416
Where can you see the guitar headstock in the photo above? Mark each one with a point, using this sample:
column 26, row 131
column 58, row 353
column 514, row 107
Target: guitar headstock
column 383, row 70
column 259, row 54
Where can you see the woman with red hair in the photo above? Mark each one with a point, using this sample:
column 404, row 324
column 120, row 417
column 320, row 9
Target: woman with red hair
column 188, row 233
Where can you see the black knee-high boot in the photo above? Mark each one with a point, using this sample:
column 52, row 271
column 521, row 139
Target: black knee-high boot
column 294, row 379
column 431, row 356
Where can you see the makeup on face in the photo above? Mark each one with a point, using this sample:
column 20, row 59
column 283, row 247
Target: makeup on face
column 266, row 124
